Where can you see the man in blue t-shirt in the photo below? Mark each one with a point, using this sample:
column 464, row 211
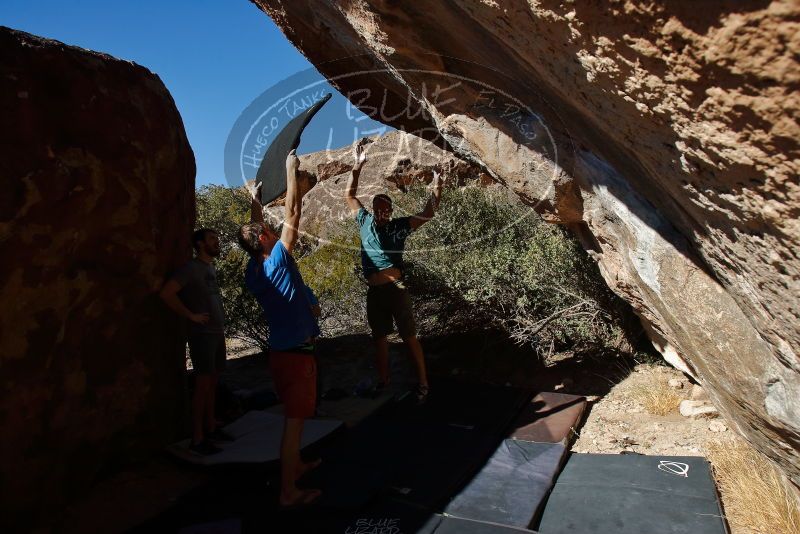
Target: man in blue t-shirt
column 383, row 240
column 273, row 278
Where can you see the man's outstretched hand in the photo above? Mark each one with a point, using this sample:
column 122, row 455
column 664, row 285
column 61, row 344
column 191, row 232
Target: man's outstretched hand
column 292, row 161
column 360, row 155
column 255, row 190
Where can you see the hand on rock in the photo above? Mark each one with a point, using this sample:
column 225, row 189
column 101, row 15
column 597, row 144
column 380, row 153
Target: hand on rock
column 255, row 190
column 360, row 156
column 292, row 161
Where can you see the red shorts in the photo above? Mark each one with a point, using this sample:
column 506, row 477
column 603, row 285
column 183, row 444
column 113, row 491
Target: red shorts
column 295, row 376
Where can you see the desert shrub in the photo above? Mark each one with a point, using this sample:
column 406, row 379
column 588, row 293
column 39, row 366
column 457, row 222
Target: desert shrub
column 758, row 498
column 493, row 262
column 484, row 261
column 656, row 396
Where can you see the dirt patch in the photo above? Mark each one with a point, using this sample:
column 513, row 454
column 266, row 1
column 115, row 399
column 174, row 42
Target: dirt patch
column 619, row 421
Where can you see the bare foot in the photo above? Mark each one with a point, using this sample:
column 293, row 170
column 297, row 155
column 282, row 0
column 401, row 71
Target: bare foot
column 304, row 468
column 297, row 498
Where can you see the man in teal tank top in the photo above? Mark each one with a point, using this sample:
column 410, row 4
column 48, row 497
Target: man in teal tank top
column 382, row 243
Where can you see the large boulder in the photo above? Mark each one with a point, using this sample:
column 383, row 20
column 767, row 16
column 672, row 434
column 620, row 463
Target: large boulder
column 97, row 205
column 395, row 162
column 665, row 134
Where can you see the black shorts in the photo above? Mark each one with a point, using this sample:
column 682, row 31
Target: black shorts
column 389, row 302
column 207, row 352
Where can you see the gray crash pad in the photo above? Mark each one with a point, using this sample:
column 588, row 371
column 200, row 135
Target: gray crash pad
column 258, row 437
column 631, row 494
column 512, row 486
column 272, row 170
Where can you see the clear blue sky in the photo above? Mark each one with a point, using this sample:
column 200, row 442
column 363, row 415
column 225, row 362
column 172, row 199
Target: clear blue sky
column 214, row 56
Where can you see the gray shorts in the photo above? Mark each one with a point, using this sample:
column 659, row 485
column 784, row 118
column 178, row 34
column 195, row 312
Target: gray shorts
column 389, row 302
column 207, row 352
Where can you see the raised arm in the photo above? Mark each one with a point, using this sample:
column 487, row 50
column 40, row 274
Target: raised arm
column 353, row 204
column 256, row 210
column 431, row 206
column 293, row 204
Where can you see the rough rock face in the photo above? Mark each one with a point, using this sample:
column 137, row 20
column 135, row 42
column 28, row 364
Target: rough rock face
column 394, row 162
column 664, row 134
column 97, row 205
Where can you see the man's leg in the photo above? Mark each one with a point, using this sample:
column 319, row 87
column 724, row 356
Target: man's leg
column 415, row 352
column 290, row 461
column 219, row 359
column 404, row 317
column 202, row 386
column 211, row 404
column 379, row 317
column 201, row 351
column 295, row 378
column 382, row 358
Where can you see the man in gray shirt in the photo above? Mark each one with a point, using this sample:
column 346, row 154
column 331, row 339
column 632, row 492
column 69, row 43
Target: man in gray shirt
column 193, row 293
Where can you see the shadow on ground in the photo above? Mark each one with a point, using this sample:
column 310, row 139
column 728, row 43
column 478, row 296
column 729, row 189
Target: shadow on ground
column 176, row 491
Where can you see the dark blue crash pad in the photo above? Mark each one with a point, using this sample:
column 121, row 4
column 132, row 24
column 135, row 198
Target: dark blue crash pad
column 512, row 486
column 631, row 494
column 421, row 455
column 272, row 170
column 455, row 525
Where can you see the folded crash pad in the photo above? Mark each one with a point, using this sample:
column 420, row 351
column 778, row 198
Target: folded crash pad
column 549, row 418
column 627, row 494
column 272, row 170
column 258, row 437
column 512, row 486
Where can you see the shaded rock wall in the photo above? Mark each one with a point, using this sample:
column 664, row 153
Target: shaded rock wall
column 97, row 205
column 665, row 134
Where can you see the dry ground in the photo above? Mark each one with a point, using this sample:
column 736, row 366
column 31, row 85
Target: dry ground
column 756, row 498
column 620, row 422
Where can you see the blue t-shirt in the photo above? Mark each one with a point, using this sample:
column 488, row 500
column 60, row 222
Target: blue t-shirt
column 278, row 286
column 382, row 247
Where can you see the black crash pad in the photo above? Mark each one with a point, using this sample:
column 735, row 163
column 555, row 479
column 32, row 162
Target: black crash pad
column 388, row 516
column 630, row 494
column 419, row 463
column 456, row 525
column 484, row 408
column 512, row 486
column 422, row 455
column 272, row 170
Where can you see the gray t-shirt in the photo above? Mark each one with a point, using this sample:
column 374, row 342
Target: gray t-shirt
column 200, row 293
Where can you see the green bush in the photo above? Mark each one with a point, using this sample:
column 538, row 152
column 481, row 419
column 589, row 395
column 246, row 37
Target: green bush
column 484, row 261
column 488, row 261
